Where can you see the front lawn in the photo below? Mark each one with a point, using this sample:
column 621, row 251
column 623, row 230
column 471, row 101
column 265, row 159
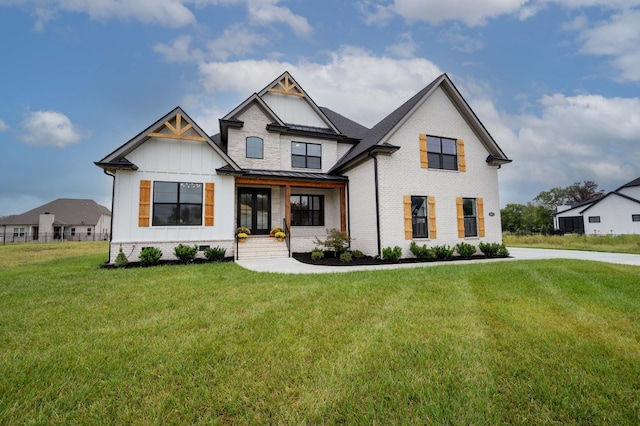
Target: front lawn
column 530, row 342
column 606, row 243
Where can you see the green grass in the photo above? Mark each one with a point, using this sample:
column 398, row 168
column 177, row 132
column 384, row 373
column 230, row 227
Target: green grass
column 607, row 243
column 523, row 342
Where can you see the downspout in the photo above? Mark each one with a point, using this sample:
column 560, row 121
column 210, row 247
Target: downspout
column 113, row 192
column 375, row 175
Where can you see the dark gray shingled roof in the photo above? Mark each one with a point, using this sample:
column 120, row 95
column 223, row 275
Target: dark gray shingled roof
column 346, row 126
column 257, row 173
column 635, row 182
column 67, row 211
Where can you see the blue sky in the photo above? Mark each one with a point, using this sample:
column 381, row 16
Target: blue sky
column 556, row 82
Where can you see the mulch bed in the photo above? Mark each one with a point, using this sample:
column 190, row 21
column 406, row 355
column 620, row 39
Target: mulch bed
column 196, row 261
column 330, row 260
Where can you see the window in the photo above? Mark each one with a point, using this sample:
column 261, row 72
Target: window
column 177, row 203
column 306, row 155
column 254, row 147
column 18, row 232
column 88, row 231
column 635, row 217
column 73, row 232
column 470, row 211
column 307, row 210
column 594, row 219
column 419, row 221
column 442, row 153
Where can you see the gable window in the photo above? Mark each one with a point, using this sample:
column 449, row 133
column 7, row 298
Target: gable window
column 307, row 210
column 470, row 210
column 177, row 203
column 594, row 219
column 442, row 153
column 306, row 155
column 419, row 218
column 254, row 147
column 635, row 217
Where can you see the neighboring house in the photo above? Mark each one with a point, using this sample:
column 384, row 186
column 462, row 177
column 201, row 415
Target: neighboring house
column 62, row 219
column 617, row 212
column 428, row 172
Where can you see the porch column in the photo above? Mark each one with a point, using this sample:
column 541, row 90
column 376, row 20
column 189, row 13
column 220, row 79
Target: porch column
column 287, row 206
column 343, row 209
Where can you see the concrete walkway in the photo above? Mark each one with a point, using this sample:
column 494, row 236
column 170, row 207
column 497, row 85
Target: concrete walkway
column 292, row 266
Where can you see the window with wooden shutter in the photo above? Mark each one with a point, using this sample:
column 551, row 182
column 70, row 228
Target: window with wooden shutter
column 408, row 228
column 144, row 209
column 462, row 164
column 424, row 157
column 209, row 192
column 432, row 217
column 460, row 215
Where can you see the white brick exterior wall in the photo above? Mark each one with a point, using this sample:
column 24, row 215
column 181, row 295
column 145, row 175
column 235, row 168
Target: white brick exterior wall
column 362, row 208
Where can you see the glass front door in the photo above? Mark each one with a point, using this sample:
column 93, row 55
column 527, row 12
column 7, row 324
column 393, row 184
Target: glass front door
column 254, row 210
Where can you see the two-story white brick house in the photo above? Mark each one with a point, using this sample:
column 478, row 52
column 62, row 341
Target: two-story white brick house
column 426, row 173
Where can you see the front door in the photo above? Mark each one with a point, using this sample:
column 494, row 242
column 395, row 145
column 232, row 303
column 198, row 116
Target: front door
column 254, row 210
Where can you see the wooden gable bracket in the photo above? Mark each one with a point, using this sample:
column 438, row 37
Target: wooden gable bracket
column 286, row 87
column 176, row 131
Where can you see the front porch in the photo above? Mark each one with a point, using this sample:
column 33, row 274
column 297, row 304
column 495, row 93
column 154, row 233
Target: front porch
column 307, row 207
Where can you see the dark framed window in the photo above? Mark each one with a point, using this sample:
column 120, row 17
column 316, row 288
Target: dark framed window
column 419, row 221
column 73, row 232
column 18, row 232
column 88, row 231
column 306, row 155
column 442, row 153
column 307, row 210
column 635, row 217
column 177, row 203
column 255, row 147
column 470, row 210
column 594, row 219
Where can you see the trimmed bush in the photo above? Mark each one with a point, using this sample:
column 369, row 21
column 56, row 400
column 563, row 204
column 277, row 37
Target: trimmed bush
column 185, row 253
column 392, row 254
column 215, row 254
column 465, row 250
column 493, row 249
column 121, row 259
column 444, row 252
column 346, row 257
column 357, row 254
column 317, row 254
column 421, row 252
column 150, row 255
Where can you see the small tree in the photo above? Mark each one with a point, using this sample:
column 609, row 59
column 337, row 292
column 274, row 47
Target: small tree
column 121, row 259
column 336, row 241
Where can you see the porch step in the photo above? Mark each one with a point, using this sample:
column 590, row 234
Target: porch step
column 262, row 247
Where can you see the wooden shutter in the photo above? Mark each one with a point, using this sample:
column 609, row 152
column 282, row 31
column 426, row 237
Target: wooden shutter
column 431, row 202
column 424, row 158
column 460, row 213
column 209, row 192
column 462, row 163
column 480, row 212
column 144, row 209
column 408, row 225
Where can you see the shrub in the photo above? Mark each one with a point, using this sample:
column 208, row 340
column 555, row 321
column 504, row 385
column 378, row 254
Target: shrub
column 444, row 252
column 357, row 254
column 392, row 254
column 317, row 254
column 493, row 249
column 215, row 254
column 185, row 253
column 346, row 257
column 421, row 252
column 121, row 259
column 465, row 250
column 337, row 241
column 150, row 255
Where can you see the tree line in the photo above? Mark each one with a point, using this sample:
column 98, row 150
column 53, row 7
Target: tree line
column 535, row 216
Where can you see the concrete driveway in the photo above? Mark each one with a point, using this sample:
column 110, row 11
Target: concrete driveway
column 292, row 266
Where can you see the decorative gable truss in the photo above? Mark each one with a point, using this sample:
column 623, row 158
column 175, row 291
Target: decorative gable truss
column 286, row 86
column 177, row 128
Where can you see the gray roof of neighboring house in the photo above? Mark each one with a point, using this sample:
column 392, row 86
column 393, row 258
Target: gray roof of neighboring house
column 67, row 211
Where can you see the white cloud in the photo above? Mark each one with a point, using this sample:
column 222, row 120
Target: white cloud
column 352, row 82
column 618, row 37
column 49, row 128
column 470, row 12
column 3, row 126
column 265, row 12
column 236, row 40
column 42, row 16
column 178, row 51
column 405, row 47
